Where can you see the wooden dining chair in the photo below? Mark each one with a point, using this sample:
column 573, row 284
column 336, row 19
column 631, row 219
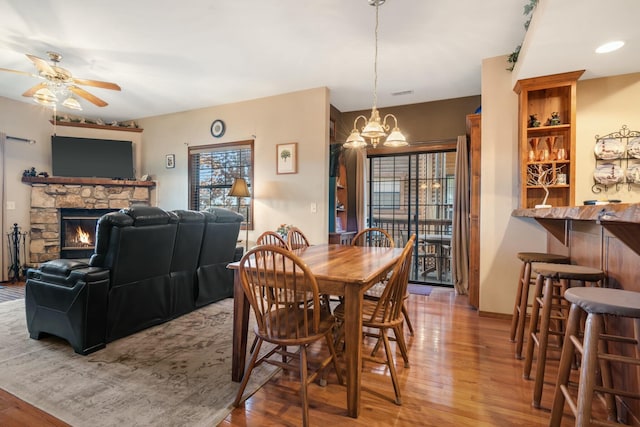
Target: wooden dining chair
column 373, row 236
column 385, row 314
column 379, row 237
column 268, row 238
column 296, row 239
column 275, row 281
column 272, row 238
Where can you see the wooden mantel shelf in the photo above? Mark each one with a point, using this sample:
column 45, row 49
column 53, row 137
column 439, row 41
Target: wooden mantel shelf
column 620, row 219
column 86, row 181
column 95, row 126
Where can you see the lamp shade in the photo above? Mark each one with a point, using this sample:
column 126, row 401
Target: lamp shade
column 44, row 96
column 396, row 139
column 72, row 103
column 239, row 188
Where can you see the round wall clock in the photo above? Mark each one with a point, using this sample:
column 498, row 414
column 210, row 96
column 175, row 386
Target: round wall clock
column 217, row 128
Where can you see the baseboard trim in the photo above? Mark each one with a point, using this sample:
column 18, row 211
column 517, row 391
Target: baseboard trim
column 502, row 316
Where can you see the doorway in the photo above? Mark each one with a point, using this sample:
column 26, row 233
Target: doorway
column 414, row 193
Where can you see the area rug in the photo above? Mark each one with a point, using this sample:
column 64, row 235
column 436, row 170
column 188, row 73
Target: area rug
column 174, row 374
column 417, row 289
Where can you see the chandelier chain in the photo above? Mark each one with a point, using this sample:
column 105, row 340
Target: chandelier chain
column 375, row 62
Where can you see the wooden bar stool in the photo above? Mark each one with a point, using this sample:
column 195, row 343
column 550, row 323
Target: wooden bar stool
column 521, row 303
column 596, row 302
column 550, row 307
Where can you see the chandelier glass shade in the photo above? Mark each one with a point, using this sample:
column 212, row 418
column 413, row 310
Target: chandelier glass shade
column 375, row 129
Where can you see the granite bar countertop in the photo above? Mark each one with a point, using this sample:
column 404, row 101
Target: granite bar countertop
column 618, row 212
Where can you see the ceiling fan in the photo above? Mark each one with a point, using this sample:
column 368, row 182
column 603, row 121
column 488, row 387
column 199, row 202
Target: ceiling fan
column 60, row 82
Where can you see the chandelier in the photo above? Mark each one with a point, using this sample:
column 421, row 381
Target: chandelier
column 375, row 128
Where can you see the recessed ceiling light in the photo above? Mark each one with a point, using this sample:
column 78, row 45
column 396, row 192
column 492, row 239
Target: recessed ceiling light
column 610, row 47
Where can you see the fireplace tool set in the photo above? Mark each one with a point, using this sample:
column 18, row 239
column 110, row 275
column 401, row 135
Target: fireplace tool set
column 16, row 239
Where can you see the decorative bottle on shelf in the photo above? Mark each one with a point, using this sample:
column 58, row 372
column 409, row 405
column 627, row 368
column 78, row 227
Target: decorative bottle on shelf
column 533, row 149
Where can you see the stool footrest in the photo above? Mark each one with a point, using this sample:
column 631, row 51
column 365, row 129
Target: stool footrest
column 617, row 392
column 617, row 338
column 620, row 359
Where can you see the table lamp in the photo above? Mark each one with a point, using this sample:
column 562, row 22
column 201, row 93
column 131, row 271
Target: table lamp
column 239, row 188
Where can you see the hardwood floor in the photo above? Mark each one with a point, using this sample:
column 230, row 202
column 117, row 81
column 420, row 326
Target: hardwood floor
column 10, row 291
column 462, row 373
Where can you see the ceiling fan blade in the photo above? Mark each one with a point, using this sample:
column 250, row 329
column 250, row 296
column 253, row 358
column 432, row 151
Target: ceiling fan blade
column 19, row 72
column 89, row 97
column 42, row 65
column 97, row 83
column 34, row 89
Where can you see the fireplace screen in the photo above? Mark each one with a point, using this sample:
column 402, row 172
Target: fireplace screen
column 78, row 231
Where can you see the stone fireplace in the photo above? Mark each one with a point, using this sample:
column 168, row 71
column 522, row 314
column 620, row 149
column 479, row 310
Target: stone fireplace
column 50, row 195
column 78, row 231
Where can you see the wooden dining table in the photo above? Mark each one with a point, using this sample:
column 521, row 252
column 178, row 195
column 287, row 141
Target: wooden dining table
column 341, row 270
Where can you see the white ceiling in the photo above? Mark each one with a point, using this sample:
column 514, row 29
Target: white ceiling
column 177, row 56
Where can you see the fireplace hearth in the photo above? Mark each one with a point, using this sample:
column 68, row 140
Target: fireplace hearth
column 78, row 231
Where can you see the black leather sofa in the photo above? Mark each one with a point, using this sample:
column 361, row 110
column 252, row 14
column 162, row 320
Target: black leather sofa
column 149, row 266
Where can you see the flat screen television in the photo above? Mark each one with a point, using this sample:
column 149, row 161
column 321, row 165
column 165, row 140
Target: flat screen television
column 87, row 157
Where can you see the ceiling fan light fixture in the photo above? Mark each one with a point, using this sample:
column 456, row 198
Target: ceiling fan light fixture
column 72, row 103
column 44, row 96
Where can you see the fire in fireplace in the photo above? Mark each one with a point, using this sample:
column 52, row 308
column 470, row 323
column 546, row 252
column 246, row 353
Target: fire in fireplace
column 78, row 231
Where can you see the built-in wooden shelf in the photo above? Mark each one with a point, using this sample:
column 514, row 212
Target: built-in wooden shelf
column 86, row 181
column 95, row 126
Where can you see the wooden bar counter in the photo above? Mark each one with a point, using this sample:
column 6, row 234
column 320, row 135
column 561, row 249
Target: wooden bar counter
column 605, row 237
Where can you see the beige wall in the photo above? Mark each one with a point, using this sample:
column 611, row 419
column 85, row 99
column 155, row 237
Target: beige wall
column 603, row 106
column 501, row 236
column 300, row 117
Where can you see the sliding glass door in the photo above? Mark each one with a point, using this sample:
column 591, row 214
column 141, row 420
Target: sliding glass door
column 413, row 193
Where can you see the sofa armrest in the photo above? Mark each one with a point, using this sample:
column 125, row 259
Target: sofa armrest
column 237, row 255
column 67, row 272
column 65, row 299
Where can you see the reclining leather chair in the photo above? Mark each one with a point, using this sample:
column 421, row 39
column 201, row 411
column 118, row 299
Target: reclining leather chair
column 215, row 280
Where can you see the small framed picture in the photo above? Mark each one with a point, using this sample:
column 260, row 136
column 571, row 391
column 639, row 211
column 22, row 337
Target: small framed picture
column 287, row 158
column 170, row 161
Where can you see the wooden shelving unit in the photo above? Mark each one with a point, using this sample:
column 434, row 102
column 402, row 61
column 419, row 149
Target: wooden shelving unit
column 341, row 199
column 107, row 182
column 95, row 126
column 547, row 151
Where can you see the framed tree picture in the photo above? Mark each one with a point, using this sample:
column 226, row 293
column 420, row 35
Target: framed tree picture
column 170, row 161
column 287, row 158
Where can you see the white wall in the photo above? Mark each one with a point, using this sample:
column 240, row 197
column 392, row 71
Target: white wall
column 300, row 117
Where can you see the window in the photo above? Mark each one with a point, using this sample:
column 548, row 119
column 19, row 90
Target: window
column 386, row 194
column 212, row 169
